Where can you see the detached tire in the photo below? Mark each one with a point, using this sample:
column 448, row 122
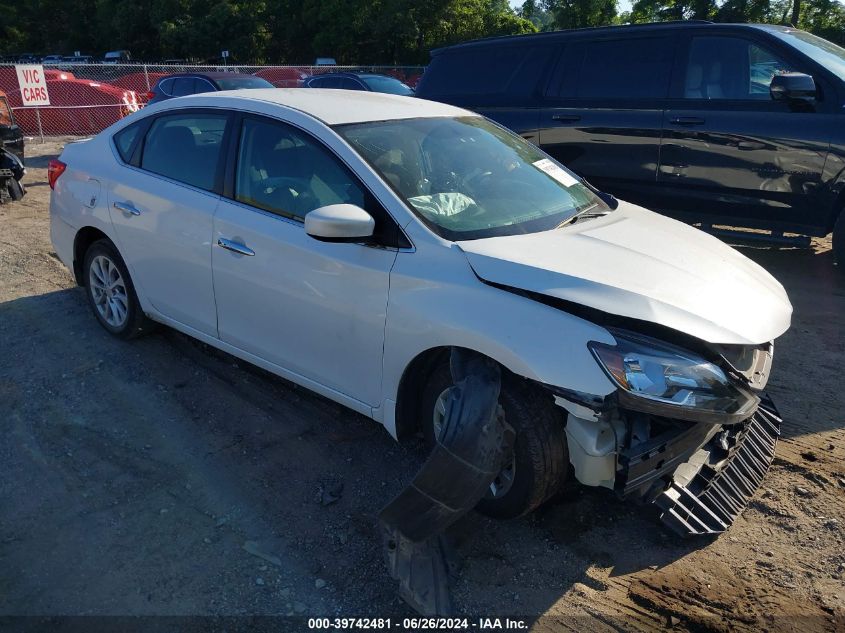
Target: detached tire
column 110, row 292
column 839, row 241
column 541, row 458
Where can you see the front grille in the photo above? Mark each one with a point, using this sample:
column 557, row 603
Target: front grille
column 715, row 497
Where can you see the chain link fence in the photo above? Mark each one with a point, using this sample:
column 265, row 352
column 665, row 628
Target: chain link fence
column 87, row 98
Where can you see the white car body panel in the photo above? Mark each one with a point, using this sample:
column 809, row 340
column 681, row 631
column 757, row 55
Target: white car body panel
column 638, row 264
column 169, row 244
column 346, row 320
column 316, row 308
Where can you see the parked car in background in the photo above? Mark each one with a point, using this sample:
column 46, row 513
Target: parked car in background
column 359, row 81
column 735, row 124
column 349, row 241
column 184, row 84
column 117, row 57
column 28, row 58
column 80, row 59
column 52, row 60
column 283, row 76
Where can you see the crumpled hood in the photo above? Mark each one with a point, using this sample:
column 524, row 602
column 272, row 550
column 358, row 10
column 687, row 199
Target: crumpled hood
column 639, row 264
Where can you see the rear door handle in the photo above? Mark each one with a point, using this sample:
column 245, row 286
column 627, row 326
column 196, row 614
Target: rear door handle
column 126, row 208
column 229, row 245
column 687, row 120
column 566, row 117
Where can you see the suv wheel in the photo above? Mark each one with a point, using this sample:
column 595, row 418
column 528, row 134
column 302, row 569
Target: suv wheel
column 540, row 461
column 111, row 293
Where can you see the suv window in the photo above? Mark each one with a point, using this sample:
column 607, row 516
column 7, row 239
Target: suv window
column 284, row 171
column 5, row 112
column 185, row 147
column 124, row 139
column 730, row 68
column 486, row 70
column 630, row 68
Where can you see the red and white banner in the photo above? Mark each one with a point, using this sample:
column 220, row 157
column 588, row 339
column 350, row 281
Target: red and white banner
column 33, row 85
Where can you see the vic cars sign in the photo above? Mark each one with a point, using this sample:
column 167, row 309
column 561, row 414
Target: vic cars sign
column 33, row 85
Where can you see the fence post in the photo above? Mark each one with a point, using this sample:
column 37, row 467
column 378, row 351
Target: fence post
column 147, row 77
column 38, row 118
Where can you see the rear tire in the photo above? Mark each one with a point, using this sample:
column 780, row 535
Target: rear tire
column 111, row 293
column 541, row 457
column 839, row 241
column 15, row 190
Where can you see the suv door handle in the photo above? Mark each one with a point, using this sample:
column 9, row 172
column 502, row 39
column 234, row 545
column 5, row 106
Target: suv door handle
column 687, row 120
column 229, row 245
column 126, row 208
column 566, row 117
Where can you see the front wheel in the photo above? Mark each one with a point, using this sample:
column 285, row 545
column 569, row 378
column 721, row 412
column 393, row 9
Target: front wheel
column 111, row 294
column 540, row 461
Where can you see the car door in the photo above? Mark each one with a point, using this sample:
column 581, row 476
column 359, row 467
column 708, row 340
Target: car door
column 732, row 154
column 315, row 309
column 162, row 207
column 603, row 110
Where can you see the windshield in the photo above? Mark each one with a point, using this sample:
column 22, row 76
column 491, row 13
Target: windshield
column 819, row 50
column 388, row 85
column 467, row 178
column 236, row 83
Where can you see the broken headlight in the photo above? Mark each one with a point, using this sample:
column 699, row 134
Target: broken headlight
column 662, row 379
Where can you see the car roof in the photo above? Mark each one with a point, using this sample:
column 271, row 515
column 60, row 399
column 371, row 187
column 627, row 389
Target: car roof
column 336, row 107
column 598, row 30
column 356, row 75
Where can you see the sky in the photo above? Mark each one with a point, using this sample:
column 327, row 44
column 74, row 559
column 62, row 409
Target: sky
column 624, row 5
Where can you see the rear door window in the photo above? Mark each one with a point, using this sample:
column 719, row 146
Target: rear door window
column 183, row 86
column 186, row 148
column 124, row 140
column 629, row 69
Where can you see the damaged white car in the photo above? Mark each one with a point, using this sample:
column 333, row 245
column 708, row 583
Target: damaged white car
column 350, row 241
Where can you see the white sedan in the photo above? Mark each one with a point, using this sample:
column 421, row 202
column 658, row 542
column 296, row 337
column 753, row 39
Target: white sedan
column 347, row 241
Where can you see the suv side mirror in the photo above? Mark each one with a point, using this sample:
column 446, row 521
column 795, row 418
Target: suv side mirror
column 339, row 223
column 793, row 87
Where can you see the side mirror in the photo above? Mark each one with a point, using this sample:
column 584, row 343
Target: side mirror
column 793, row 87
column 339, row 223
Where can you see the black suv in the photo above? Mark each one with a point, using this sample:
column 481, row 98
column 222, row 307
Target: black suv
column 734, row 124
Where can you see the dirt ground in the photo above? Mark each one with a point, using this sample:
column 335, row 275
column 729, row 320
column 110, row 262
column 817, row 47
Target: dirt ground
column 162, row 477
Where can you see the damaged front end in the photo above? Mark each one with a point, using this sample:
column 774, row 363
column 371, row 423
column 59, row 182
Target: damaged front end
column 691, row 432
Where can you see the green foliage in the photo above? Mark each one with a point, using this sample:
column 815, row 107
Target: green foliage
column 293, row 31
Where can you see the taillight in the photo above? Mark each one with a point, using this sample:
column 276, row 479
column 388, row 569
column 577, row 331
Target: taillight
column 55, row 168
column 149, row 95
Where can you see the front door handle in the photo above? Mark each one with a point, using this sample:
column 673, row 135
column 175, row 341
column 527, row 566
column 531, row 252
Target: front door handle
column 127, row 208
column 687, row 120
column 566, row 118
column 229, row 245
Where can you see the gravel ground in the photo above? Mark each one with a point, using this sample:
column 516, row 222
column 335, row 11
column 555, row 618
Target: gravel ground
column 161, row 477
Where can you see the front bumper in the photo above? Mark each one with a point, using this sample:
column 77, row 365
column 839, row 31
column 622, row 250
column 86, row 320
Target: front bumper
column 710, row 501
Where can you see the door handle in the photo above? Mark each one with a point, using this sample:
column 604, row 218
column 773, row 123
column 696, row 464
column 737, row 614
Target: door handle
column 571, row 118
column 750, row 145
column 687, row 120
column 126, row 208
column 229, row 245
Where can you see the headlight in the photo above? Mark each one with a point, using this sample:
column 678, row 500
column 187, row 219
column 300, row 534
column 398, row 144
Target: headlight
column 665, row 380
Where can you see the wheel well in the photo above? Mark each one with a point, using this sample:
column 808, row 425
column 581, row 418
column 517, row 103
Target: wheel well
column 413, row 381
column 411, row 387
column 84, row 238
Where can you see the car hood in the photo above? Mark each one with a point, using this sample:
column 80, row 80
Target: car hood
column 638, row 264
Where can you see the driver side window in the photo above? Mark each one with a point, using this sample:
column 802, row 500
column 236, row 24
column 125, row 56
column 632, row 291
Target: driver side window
column 284, row 171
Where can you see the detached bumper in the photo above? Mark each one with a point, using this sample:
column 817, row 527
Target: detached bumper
column 733, row 468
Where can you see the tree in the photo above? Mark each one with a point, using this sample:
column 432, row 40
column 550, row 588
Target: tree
column 574, row 14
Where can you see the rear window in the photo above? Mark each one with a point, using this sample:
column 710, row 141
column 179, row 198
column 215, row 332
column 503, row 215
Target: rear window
column 627, row 69
column 5, row 112
column 501, row 71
